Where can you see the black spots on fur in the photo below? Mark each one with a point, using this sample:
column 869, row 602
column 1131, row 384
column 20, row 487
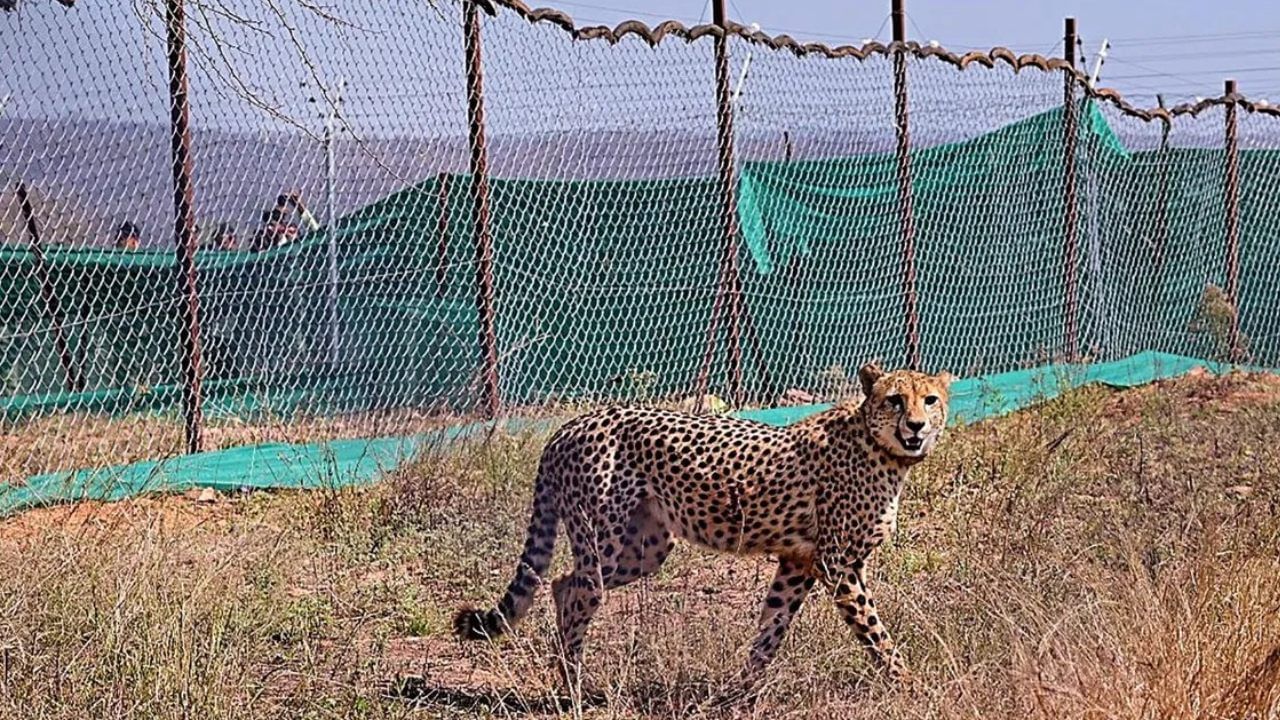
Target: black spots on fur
column 795, row 605
column 774, row 602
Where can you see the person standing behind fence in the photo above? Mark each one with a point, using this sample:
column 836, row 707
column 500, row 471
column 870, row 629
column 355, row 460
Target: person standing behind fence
column 128, row 236
column 276, row 229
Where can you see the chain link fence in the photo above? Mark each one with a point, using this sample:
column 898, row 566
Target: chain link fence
column 625, row 222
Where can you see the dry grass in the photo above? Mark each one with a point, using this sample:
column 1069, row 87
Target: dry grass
column 1105, row 555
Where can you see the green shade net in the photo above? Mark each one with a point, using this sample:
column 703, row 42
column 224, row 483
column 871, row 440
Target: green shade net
column 608, row 289
column 356, row 462
column 618, row 302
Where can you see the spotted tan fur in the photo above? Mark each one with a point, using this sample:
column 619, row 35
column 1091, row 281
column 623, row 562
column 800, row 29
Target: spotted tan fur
column 819, row 495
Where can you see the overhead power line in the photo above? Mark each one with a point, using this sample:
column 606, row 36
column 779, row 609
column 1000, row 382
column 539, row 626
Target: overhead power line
column 1201, row 54
column 1196, row 37
column 1223, row 72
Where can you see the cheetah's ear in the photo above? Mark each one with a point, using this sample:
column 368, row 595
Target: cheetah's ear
column 946, row 378
column 869, row 374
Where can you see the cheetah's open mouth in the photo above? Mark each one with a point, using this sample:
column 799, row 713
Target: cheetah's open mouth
column 911, row 443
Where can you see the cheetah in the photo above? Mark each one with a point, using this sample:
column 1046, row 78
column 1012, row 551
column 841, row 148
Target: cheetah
column 818, row 495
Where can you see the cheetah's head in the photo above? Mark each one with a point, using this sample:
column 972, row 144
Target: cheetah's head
column 905, row 411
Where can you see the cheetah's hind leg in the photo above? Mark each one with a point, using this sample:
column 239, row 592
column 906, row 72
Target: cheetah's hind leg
column 646, row 543
column 578, row 595
column 604, row 558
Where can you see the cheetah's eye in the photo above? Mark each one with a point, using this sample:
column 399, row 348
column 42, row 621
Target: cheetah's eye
column 931, row 400
column 896, row 402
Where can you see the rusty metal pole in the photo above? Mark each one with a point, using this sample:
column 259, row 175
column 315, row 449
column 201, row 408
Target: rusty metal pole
column 728, row 289
column 184, row 224
column 1070, row 229
column 1233, row 218
column 1161, row 218
column 480, row 195
column 731, row 282
column 74, row 380
column 906, row 198
column 442, row 233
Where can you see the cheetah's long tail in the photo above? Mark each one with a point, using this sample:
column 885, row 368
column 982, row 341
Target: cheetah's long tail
column 476, row 624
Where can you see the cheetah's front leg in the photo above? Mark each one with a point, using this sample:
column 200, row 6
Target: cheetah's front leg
column 791, row 583
column 849, row 588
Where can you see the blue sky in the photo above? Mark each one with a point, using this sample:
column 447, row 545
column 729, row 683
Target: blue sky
column 1182, row 48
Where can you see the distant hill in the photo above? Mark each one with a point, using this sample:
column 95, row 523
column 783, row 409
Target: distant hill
column 94, row 174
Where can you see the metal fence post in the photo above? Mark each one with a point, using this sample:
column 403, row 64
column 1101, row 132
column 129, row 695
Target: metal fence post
column 1071, row 248
column 1162, row 191
column 1161, row 220
column 728, row 287
column 480, row 195
column 1233, row 217
column 906, row 199
column 331, row 230
column 184, row 224
column 74, row 379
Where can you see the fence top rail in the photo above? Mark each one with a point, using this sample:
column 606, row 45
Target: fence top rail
column 674, row 28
